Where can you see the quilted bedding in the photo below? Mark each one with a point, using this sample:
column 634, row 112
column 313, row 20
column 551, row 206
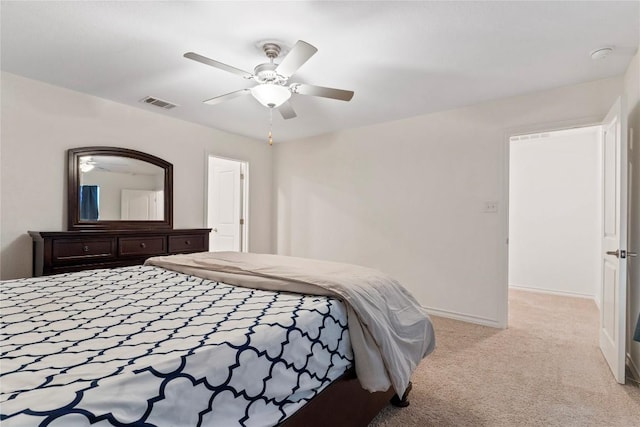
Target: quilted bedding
column 146, row 346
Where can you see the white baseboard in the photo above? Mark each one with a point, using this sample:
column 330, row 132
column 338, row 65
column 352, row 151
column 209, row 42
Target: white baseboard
column 478, row 320
column 464, row 317
column 553, row 292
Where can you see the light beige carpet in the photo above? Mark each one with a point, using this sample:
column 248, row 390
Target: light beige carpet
column 544, row 370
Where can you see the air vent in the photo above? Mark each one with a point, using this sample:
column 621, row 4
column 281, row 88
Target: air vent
column 158, row 102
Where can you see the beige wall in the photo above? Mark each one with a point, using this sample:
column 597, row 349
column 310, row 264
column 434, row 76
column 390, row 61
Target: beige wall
column 632, row 92
column 40, row 122
column 407, row 196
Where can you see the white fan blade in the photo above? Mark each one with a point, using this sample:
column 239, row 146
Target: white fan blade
column 286, row 110
column 325, row 92
column 228, row 96
column 220, row 65
column 297, row 56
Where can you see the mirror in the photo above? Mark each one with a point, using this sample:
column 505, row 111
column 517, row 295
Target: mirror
column 118, row 188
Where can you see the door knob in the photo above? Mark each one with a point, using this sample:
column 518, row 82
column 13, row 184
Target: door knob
column 622, row 254
column 215, row 230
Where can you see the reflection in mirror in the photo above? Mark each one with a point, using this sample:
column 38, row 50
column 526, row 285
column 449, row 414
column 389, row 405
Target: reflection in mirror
column 114, row 188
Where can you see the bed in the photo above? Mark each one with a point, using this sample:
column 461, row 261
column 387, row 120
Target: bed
column 163, row 344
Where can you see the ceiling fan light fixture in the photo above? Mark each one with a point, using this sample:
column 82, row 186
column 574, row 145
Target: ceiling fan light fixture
column 270, row 95
column 86, row 167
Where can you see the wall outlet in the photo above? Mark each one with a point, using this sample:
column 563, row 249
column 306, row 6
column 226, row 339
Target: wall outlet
column 490, row 207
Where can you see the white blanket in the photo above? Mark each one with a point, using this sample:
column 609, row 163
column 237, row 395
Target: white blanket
column 390, row 331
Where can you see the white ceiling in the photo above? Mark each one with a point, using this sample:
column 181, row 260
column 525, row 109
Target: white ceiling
column 401, row 58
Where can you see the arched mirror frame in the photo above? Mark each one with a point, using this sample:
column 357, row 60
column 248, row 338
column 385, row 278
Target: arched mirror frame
column 73, row 192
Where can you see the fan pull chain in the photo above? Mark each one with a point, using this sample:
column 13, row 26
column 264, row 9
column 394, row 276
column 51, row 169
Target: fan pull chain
column 270, row 125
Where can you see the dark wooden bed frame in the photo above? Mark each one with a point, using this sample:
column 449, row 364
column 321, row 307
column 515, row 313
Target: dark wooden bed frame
column 344, row 403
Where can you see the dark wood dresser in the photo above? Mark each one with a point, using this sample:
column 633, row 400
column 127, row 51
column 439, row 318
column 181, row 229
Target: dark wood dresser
column 66, row 251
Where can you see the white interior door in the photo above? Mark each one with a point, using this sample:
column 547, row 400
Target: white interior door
column 224, row 204
column 159, row 205
column 141, row 205
column 614, row 241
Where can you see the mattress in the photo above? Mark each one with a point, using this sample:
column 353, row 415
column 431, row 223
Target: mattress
column 147, row 346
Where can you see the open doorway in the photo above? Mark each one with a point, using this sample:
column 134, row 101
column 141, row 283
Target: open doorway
column 555, row 209
column 612, row 192
column 227, row 193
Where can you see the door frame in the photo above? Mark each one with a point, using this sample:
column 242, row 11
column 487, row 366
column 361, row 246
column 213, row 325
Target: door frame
column 503, row 212
column 244, row 196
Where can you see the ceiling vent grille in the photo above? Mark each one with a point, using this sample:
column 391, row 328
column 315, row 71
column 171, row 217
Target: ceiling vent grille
column 158, row 102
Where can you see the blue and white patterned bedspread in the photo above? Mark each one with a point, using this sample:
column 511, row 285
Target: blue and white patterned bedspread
column 145, row 346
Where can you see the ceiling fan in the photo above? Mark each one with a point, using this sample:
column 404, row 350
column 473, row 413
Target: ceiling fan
column 273, row 90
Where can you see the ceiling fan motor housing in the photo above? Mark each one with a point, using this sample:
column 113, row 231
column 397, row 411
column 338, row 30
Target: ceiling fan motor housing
column 266, row 73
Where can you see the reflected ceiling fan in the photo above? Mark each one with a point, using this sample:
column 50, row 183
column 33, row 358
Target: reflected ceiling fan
column 273, row 90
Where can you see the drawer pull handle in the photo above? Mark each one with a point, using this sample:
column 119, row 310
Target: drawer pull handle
column 85, row 248
column 143, row 245
column 187, row 242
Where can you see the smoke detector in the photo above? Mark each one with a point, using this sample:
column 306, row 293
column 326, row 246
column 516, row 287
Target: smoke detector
column 601, row 53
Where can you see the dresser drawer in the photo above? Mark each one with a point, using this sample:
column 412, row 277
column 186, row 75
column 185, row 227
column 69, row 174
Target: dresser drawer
column 66, row 251
column 187, row 243
column 73, row 250
column 151, row 245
